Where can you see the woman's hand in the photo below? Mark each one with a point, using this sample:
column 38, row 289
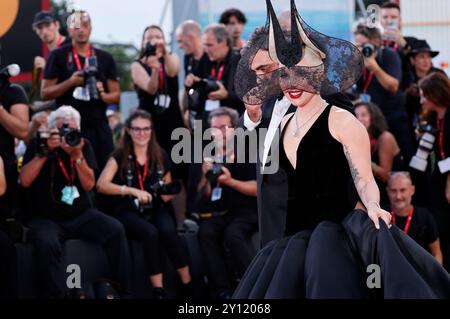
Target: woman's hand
column 143, row 197
column 375, row 212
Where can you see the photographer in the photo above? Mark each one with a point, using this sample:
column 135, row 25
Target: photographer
column 188, row 36
column 435, row 99
column 84, row 77
column 59, row 177
column 141, row 203
column 215, row 85
column 155, row 76
column 235, row 21
column 226, row 206
column 47, row 28
column 380, row 84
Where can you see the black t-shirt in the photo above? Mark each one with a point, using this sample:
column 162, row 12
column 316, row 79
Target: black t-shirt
column 423, row 228
column 46, row 191
column 9, row 96
column 392, row 105
column 119, row 203
column 191, row 65
column 61, row 65
column 232, row 201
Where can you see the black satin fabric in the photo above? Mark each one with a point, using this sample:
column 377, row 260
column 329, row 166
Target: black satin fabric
column 331, row 262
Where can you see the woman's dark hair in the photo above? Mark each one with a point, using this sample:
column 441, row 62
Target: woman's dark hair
column 436, row 88
column 378, row 123
column 126, row 148
column 227, row 14
column 153, row 26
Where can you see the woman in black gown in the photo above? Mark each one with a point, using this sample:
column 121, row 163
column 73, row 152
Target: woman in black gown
column 333, row 200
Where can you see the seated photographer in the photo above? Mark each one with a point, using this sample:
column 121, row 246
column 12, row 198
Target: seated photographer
column 417, row 222
column 386, row 156
column 86, row 78
column 435, row 99
column 380, row 84
column 226, row 206
column 7, row 251
column 214, row 87
column 59, row 172
column 138, row 174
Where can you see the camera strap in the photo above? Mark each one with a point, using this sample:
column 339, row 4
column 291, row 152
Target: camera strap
column 142, row 177
column 219, row 73
column 440, row 127
column 71, row 179
column 161, row 78
column 367, row 79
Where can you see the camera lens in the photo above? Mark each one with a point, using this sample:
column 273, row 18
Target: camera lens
column 368, row 50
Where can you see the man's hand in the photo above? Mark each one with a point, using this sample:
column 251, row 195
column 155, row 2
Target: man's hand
column 220, row 94
column 54, row 141
column 101, row 90
column 371, row 62
column 39, row 119
column 76, row 152
column 254, row 112
column 207, row 165
column 394, row 35
column 225, row 178
column 77, row 78
column 39, row 62
column 190, row 80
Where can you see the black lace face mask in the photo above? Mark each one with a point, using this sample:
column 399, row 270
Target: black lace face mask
column 301, row 58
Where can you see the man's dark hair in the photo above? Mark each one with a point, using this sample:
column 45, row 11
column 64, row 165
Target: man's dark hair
column 373, row 34
column 227, row 14
column 390, row 5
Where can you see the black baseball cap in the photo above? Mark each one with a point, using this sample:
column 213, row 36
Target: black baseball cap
column 43, row 17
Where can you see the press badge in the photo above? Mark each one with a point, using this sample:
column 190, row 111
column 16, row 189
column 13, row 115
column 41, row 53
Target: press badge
column 81, row 93
column 216, row 194
column 69, row 194
column 444, row 165
column 211, row 105
column 365, row 97
column 163, row 101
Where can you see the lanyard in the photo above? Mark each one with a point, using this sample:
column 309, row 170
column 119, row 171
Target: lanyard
column 161, row 78
column 408, row 221
column 368, row 80
column 60, row 40
column 394, row 46
column 140, row 177
column 77, row 59
column 440, row 126
column 220, row 73
column 70, row 179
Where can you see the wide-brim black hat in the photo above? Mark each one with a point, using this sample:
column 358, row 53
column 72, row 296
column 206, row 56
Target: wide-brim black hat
column 420, row 46
column 339, row 65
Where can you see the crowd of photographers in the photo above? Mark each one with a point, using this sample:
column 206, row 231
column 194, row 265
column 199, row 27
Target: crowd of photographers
column 86, row 174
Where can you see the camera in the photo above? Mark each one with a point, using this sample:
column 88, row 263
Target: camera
column 149, row 50
column 368, row 49
column 42, row 138
column 90, row 78
column 213, row 174
column 6, row 73
column 419, row 161
column 198, row 93
column 72, row 136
